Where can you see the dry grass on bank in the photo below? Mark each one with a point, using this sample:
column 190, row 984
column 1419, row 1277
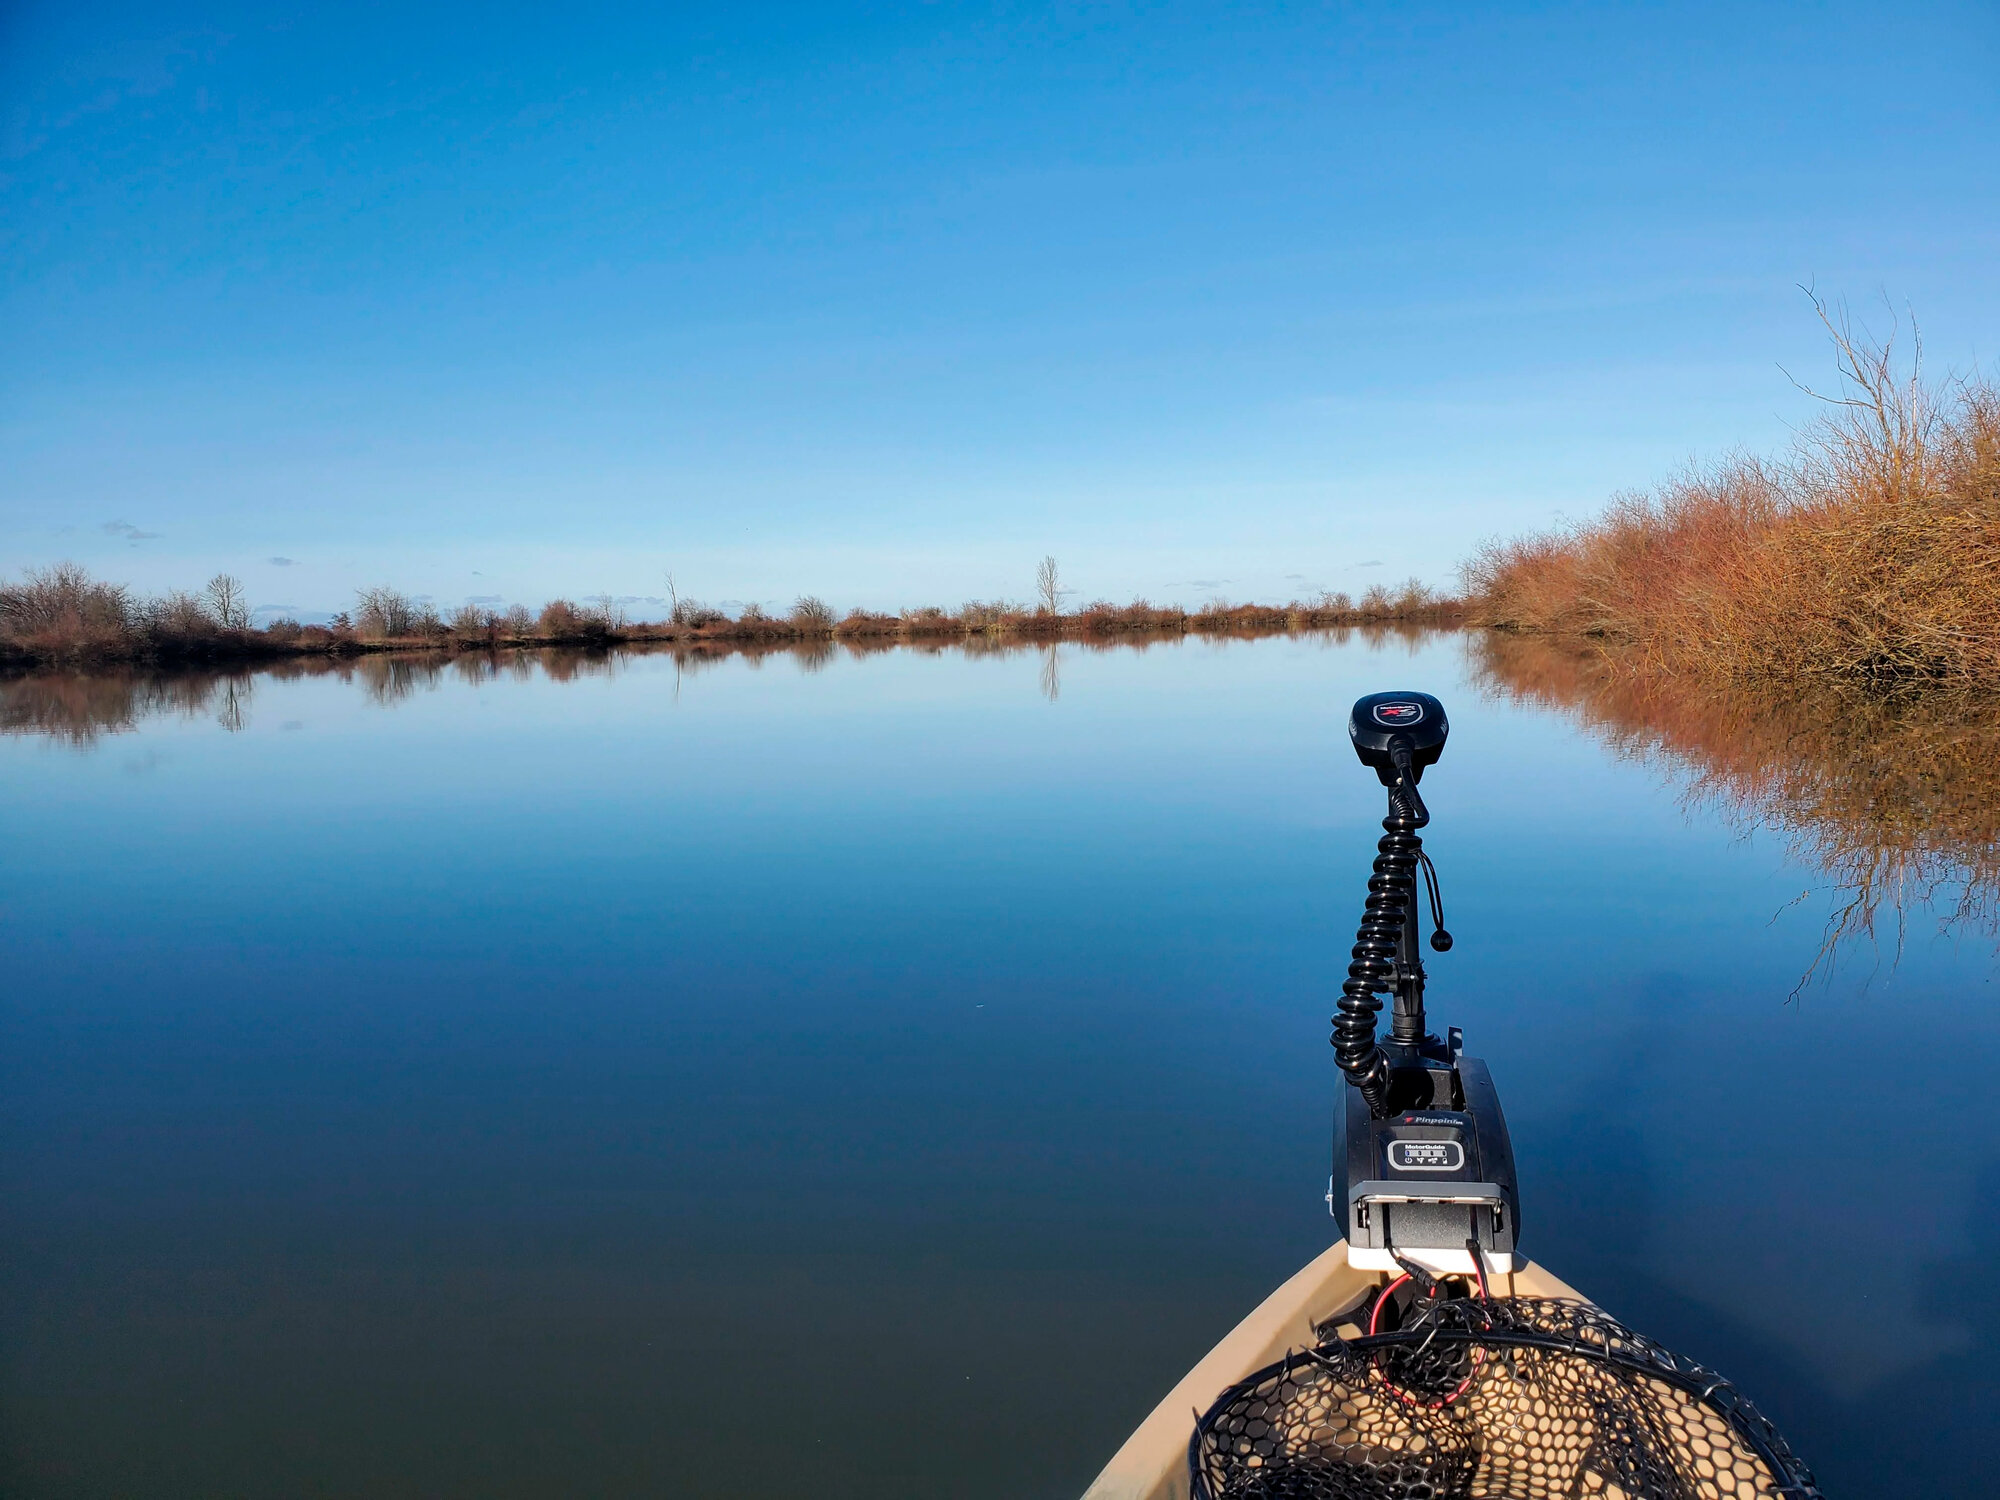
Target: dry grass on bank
column 1871, row 552
column 61, row 614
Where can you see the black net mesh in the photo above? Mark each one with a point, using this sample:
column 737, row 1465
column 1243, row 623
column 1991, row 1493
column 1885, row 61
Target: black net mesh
column 1516, row 1399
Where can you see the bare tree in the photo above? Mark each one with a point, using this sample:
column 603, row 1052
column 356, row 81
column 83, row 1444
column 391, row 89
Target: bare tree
column 384, row 612
column 227, row 603
column 1048, row 586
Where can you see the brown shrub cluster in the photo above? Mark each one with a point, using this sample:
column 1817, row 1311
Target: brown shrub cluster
column 62, row 614
column 64, row 608
column 1872, row 552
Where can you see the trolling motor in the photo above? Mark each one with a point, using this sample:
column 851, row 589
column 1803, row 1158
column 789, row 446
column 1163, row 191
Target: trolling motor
column 1450, row 1385
column 1428, row 1167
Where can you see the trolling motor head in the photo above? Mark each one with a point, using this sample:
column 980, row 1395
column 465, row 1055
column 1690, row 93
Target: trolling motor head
column 1398, row 733
column 1429, row 1166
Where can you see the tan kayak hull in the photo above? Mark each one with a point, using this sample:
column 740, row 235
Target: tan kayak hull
column 1153, row 1463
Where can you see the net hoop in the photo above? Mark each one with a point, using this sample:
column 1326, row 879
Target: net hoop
column 1408, row 1414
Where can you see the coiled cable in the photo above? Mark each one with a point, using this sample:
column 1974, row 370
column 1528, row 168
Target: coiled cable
column 1372, row 968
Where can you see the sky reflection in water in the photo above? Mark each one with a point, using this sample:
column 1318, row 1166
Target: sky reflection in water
column 886, row 1077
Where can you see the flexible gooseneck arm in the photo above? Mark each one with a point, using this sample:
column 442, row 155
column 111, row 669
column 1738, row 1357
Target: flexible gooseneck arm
column 1384, row 956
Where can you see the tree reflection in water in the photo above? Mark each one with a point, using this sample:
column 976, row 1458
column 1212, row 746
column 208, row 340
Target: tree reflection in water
column 78, row 706
column 75, row 708
column 1895, row 795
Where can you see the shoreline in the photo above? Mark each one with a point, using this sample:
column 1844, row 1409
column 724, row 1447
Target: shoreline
column 1097, row 623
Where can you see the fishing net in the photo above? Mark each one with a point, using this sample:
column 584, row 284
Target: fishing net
column 1515, row 1399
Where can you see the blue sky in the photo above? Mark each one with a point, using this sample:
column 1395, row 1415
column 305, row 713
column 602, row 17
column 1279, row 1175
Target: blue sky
column 886, row 302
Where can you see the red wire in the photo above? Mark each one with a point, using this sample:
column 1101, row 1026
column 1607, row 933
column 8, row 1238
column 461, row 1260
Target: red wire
column 1402, row 1395
column 1383, row 1301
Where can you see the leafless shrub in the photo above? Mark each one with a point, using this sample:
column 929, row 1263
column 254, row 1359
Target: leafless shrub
column 63, row 609
column 812, row 615
column 565, row 620
column 861, row 622
column 692, row 614
column 180, row 617
column 1411, row 598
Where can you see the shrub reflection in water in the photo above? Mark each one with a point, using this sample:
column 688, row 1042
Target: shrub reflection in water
column 1894, row 795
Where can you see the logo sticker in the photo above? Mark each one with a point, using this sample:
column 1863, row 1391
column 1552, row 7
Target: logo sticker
column 1398, row 715
column 1426, row 1156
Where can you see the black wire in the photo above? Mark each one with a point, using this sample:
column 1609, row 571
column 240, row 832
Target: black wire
column 1426, row 1282
column 1440, row 939
column 1431, row 887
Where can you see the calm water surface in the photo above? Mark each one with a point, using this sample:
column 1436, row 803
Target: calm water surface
column 884, row 1076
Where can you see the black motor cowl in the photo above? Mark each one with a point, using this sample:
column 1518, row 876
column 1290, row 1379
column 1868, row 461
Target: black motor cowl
column 1435, row 1177
column 1383, row 722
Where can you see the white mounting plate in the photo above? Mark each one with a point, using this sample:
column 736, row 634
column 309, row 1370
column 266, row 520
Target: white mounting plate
column 1438, row 1262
